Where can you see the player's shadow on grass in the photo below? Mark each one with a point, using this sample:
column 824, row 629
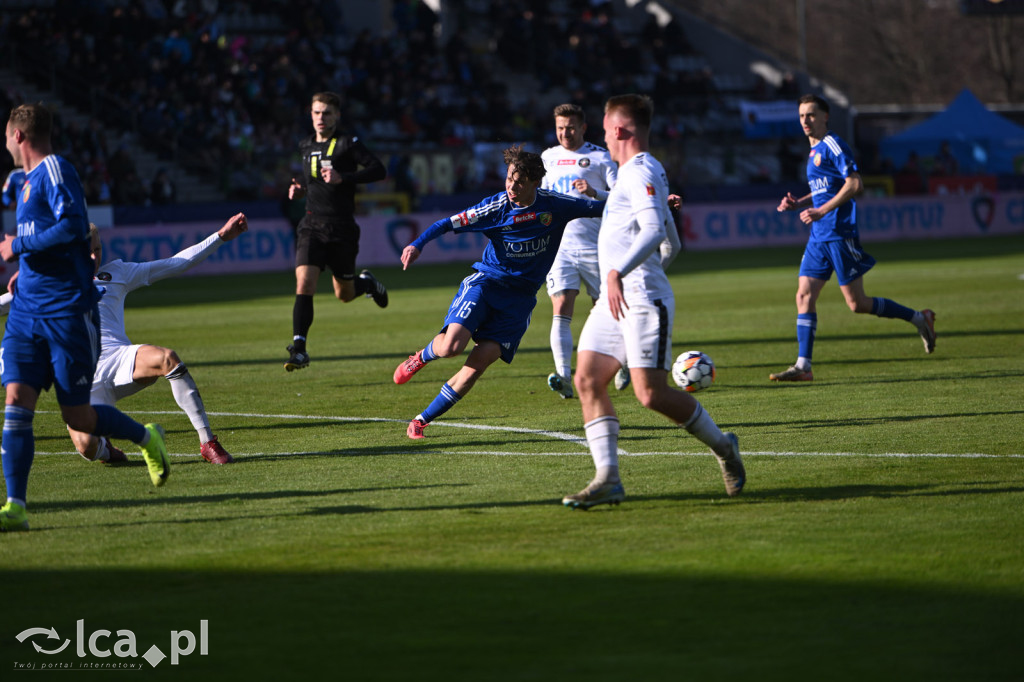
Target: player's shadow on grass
column 467, row 506
column 278, row 359
column 907, row 333
column 73, row 505
column 754, row 495
column 881, row 420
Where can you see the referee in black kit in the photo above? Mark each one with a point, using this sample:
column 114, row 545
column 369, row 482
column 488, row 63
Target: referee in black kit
column 333, row 164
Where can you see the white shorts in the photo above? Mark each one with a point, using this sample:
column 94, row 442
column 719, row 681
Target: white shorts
column 573, row 267
column 641, row 339
column 113, row 378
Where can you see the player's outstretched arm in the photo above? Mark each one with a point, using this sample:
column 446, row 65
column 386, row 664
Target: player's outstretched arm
column 235, row 226
column 193, row 255
column 412, row 252
column 409, row 256
column 791, row 203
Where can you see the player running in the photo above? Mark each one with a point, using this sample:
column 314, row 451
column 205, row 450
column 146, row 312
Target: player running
column 834, row 243
column 333, row 162
column 524, row 225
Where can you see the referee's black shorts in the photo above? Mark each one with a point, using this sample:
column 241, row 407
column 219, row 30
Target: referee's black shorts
column 328, row 243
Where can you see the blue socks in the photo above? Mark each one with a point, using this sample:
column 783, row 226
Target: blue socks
column 428, row 354
column 18, row 451
column 19, row 444
column 883, row 307
column 444, row 401
column 806, row 327
column 112, row 422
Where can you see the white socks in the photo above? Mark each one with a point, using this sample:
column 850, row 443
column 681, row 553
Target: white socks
column 186, row 394
column 561, row 345
column 703, row 427
column 603, row 439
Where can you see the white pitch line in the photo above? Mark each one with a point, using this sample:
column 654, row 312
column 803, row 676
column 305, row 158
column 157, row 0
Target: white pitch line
column 558, row 435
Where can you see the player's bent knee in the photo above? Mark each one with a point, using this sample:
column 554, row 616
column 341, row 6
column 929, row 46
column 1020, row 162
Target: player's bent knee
column 168, row 360
column 863, row 306
column 78, row 421
column 647, row 397
column 587, row 384
column 448, row 348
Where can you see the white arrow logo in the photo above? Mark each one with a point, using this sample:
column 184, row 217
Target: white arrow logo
column 50, row 634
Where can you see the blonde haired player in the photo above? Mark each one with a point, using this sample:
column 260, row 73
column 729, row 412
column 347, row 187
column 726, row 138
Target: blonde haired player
column 632, row 321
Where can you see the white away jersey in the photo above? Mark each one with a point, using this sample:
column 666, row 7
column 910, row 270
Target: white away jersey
column 641, row 184
column 117, row 279
column 590, row 163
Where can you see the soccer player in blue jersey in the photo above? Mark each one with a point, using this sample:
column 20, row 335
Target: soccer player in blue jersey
column 52, row 334
column 834, row 244
column 524, row 226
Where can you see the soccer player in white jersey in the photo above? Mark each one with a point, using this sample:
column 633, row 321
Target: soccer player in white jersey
column 125, row 368
column 576, row 168
column 834, row 243
column 632, row 321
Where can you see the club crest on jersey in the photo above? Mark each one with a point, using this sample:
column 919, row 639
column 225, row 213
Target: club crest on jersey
column 568, row 162
column 651, row 192
column 584, row 162
column 545, row 219
column 817, row 159
column 103, row 276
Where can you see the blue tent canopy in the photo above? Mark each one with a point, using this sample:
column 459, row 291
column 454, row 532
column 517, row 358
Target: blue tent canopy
column 982, row 141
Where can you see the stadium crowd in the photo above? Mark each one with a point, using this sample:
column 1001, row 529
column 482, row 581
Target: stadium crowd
column 226, row 96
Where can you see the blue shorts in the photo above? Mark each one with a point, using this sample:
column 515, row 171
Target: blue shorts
column 58, row 351
column 845, row 257
column 492, row 312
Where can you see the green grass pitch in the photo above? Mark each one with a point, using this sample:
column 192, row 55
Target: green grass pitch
column 881, row 534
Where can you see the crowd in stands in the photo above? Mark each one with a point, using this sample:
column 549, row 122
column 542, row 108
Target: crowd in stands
column 212, row 89
column 230, row 98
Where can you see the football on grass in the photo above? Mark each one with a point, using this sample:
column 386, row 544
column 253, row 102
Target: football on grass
column 693, row 371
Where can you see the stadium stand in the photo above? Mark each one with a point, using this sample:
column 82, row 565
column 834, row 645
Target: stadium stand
column 217, row 91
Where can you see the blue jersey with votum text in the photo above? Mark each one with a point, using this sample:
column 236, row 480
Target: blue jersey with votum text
column 829, row 164
column 522, row 241
column 55, row 270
